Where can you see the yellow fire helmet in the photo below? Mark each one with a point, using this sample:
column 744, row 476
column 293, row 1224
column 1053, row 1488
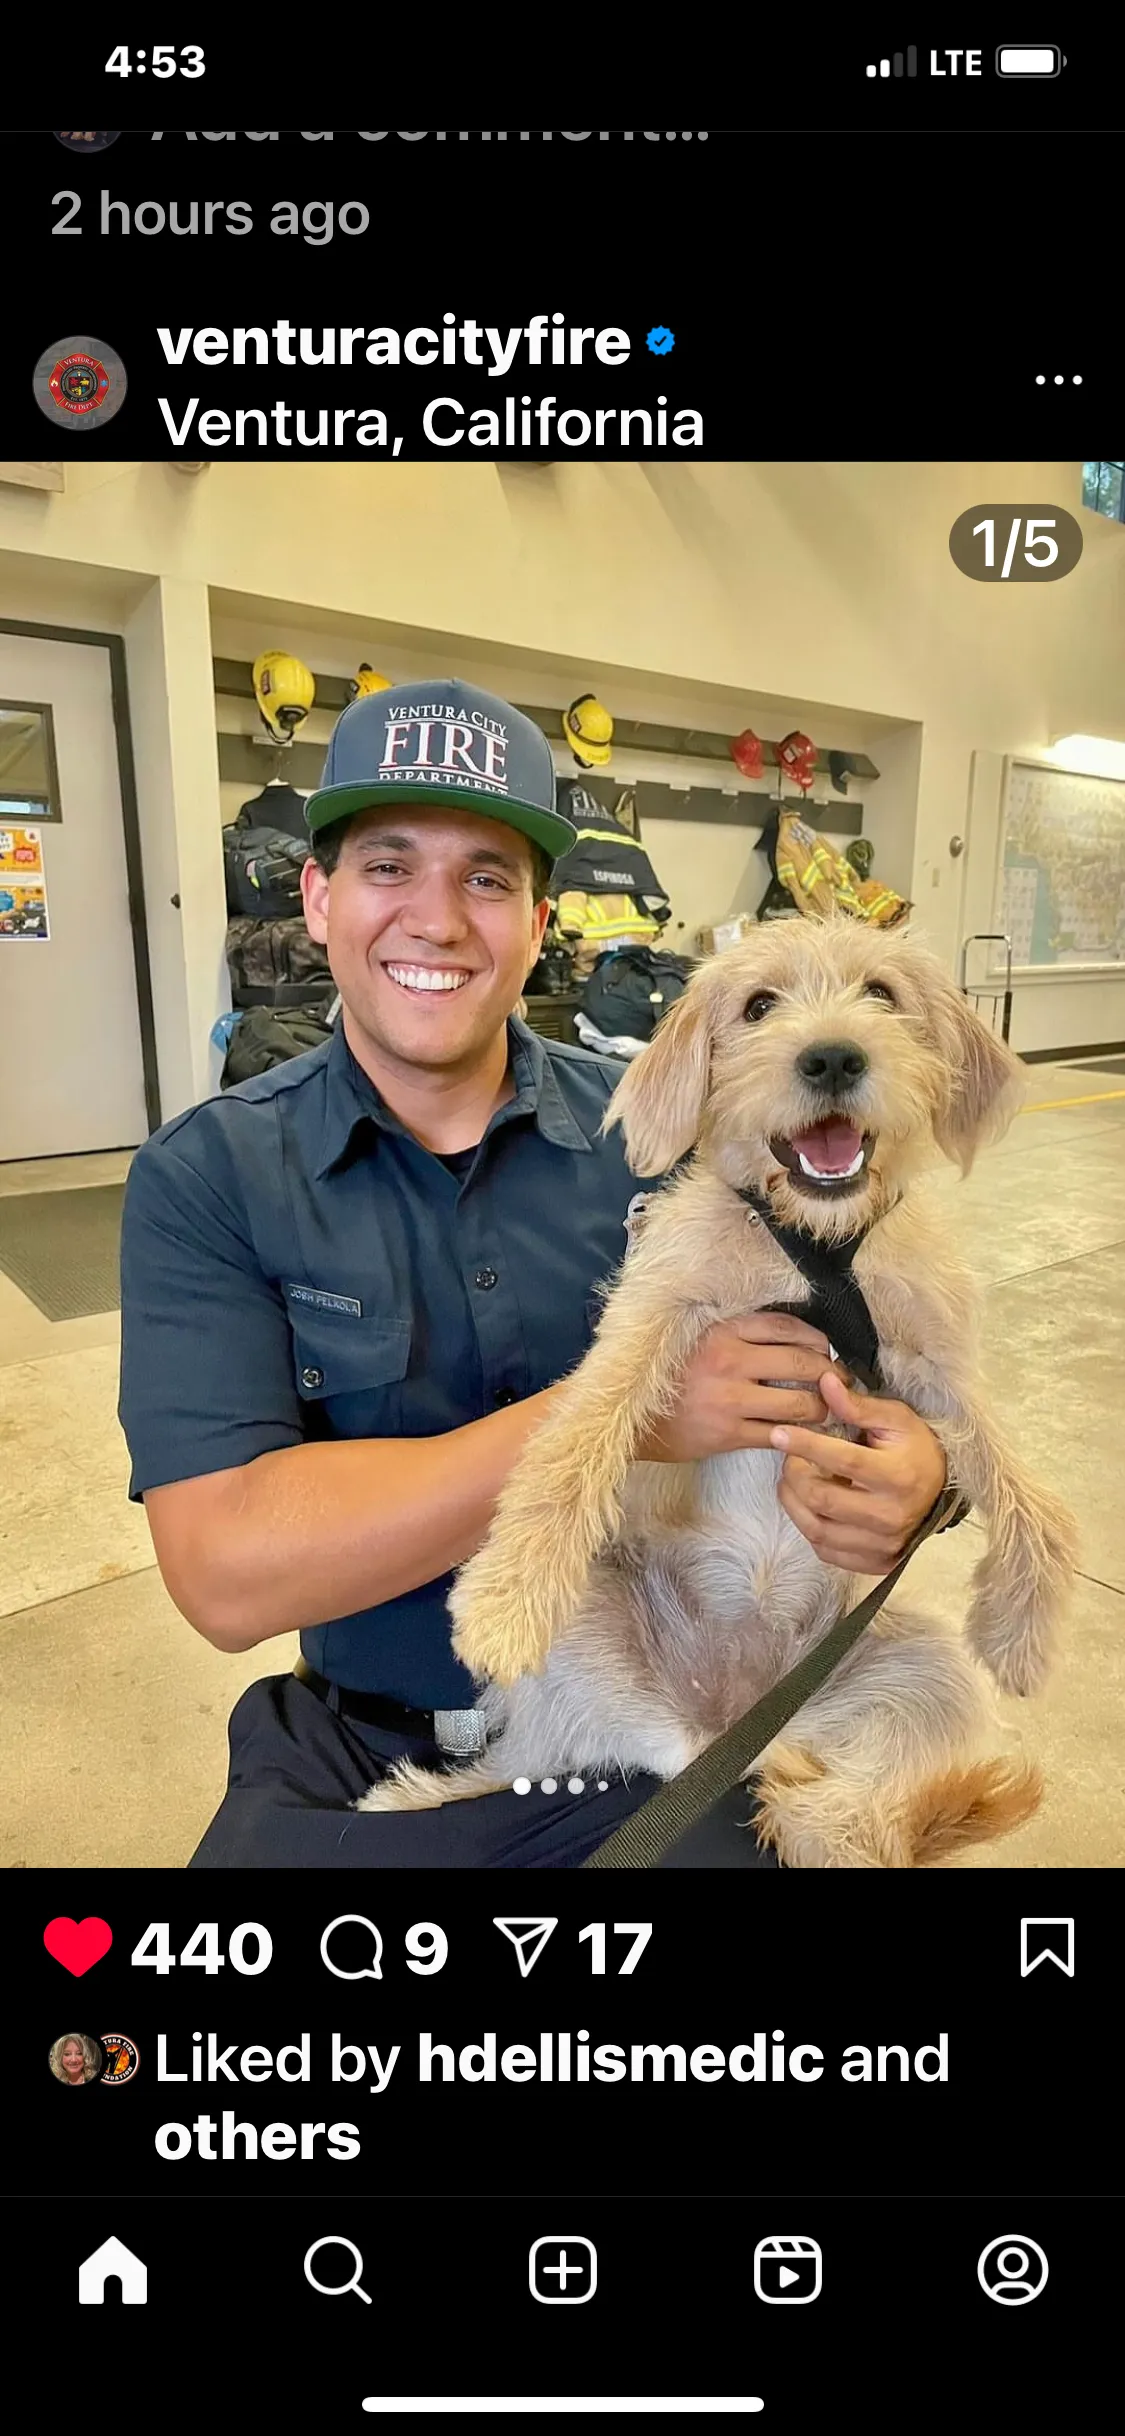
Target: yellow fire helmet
column 284, row 690
column 366, row 681
column 588, row 729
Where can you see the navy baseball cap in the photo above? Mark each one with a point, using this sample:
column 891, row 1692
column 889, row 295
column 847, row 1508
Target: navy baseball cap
column 436, row 741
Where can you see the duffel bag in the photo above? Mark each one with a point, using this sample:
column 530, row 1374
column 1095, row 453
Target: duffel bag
column 263, row 872
column 630, row 988
column 275, row 964
column 268, row 1036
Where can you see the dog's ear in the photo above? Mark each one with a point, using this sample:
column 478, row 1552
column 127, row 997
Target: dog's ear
column 985, row 1083
column 659, row 1101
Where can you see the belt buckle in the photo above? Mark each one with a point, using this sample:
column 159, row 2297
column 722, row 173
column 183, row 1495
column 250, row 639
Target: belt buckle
column 461, row 1733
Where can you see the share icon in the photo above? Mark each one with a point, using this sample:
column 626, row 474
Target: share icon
column 528, row 1937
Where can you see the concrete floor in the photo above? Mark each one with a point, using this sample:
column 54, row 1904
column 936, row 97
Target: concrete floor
column 113, row 1747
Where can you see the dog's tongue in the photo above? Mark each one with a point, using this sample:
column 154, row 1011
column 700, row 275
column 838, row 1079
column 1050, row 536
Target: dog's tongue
column 831, row 1148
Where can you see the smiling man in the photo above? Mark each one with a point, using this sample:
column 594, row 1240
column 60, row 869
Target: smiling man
column 350, row 1286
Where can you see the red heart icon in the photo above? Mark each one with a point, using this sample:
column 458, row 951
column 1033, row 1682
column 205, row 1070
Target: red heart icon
column 78, row 1944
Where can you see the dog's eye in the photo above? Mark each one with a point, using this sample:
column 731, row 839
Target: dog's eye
column 759, row 1005
column 878, row 989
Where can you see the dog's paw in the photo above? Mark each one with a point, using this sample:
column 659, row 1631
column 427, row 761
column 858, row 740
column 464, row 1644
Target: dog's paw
column 1017, row 1657
column 497, row 1632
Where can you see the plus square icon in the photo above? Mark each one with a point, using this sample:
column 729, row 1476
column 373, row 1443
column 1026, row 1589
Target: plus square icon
column 563, row 2267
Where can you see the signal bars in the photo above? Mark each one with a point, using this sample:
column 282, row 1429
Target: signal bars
column 894, row 66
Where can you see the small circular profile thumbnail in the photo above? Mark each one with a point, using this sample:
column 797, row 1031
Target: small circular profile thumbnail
column 85, row 143
column 122, row 2059
column 77, row 2059
column 80, row 383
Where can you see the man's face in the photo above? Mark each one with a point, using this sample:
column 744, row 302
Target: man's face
column 430, row 929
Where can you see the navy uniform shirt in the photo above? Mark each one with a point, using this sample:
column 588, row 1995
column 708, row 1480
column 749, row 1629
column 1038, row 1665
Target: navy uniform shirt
column 295, row 1266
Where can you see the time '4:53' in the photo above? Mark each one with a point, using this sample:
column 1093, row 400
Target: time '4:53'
column 163, row 60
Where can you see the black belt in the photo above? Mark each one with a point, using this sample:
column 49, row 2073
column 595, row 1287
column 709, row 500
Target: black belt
column 453, row 1730
column 370, row 1708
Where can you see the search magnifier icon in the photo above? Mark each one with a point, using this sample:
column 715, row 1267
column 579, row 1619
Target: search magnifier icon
column 336, row 2241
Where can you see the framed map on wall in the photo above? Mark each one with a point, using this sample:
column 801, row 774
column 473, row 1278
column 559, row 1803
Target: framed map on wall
column 1061, row 883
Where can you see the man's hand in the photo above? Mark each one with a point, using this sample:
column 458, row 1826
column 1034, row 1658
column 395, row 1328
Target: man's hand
column 858, row 1505
column 726, row 1400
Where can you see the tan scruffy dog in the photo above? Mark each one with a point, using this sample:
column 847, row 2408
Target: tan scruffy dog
column 626, row 1612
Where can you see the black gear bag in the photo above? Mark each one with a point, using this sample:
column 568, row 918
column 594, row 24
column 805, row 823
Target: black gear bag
column 276, row 964
column 263, row 872
column 269, row 1036
column 630, row 988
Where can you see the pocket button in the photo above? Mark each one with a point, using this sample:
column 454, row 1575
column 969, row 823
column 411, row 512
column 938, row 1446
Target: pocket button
column 312, row 1378
column 485, row 1278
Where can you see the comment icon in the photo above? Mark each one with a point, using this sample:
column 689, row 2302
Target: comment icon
column 343, row 1920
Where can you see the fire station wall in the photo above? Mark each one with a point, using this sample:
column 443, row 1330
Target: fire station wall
column 690, row 587
column 710, row 869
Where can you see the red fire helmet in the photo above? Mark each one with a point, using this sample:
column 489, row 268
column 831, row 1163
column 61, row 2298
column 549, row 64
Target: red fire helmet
column 746, row 753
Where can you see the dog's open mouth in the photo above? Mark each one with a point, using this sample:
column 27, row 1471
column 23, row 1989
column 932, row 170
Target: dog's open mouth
column 829, row 1158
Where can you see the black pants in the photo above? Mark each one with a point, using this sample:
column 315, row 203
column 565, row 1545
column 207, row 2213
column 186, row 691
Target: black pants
column 296, row 1768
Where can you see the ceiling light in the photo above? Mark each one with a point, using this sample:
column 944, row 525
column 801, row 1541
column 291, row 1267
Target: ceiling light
column 1095, row 756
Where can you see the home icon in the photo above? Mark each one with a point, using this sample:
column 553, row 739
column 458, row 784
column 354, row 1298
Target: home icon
column 113, row 2259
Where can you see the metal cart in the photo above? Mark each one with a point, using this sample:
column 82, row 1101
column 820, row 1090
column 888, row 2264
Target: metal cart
column 998, row 998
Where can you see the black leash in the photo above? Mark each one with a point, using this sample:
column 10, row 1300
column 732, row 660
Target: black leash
column 644, row 1839
column 838, row 1308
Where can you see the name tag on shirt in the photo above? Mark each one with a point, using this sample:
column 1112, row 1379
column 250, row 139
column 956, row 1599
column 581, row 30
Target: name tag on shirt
column 313, row 1299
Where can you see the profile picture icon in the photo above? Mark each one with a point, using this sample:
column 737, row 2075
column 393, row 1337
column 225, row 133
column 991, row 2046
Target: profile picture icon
column 122, row 2059
column 76, row 2059
column 86, row 143
column 80, row 383
column 1012, row 2270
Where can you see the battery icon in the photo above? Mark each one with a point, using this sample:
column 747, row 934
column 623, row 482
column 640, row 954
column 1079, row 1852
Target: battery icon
column 1029, row 59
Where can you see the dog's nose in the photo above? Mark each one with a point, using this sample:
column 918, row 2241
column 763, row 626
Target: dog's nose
column 833, row 1065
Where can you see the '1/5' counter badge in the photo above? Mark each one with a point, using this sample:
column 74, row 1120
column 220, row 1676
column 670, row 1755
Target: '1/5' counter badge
column 80, row 383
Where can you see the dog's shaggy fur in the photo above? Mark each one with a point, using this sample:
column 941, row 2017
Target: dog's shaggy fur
column 625, row 1612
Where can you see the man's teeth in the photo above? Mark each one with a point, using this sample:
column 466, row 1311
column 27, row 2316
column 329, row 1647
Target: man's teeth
column 426, row 977
column 830, row 1175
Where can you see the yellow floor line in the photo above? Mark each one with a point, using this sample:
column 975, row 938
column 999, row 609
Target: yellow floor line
column 1087, row 1099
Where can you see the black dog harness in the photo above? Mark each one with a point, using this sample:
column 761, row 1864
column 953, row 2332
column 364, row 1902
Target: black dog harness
column 836, row 1305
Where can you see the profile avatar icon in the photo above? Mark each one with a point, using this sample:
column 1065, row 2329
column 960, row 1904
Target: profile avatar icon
column 77, row 2059
column 80, row 383
column 122, row 2059
column 1012, row 2270
column 85, row 143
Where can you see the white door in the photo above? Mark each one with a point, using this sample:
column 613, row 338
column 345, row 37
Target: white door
column 71, row 1074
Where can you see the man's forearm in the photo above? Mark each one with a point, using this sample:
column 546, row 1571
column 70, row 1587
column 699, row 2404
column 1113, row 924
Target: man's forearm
column 323, row 1530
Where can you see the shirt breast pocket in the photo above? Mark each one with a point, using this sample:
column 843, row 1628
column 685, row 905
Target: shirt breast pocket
column 350, row 1373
